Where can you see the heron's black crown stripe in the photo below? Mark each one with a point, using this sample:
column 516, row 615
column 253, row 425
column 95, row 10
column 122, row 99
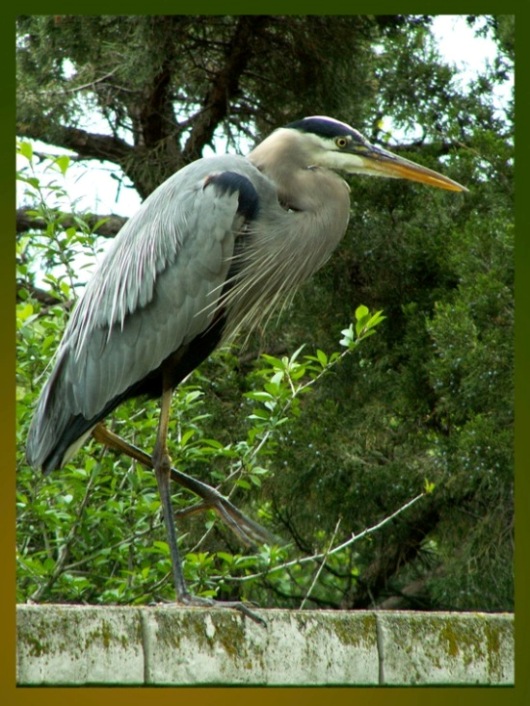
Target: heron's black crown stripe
column 248, row 205
column 323, row 127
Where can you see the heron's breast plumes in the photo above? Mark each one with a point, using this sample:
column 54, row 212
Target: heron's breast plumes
column 272, row 260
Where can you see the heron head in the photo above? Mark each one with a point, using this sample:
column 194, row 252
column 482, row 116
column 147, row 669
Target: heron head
column 335, row 145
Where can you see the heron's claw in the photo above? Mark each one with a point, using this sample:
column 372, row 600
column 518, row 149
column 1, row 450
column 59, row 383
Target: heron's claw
column 202, row 602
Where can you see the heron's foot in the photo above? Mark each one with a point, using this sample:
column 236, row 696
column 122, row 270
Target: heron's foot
column 202, row 602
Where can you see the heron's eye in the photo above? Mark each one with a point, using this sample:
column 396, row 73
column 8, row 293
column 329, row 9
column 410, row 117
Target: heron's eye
column 341, row 142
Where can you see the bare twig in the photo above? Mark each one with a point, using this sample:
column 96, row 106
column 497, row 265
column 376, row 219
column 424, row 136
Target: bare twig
column 319, row 557
column 322, row 564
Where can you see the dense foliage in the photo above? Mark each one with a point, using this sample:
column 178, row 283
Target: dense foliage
column 321, row 443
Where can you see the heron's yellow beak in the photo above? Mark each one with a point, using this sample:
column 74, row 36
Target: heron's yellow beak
column 379, row 162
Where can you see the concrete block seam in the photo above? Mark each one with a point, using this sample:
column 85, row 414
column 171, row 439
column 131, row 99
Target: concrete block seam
column 380, row 651
column 145, row 644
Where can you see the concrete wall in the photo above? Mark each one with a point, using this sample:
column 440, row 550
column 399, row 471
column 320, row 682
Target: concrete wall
column 172, row 645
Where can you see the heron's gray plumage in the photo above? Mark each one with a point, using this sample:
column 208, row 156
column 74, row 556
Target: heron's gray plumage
column 216, row 247
column 172, row 268
column 172, row 262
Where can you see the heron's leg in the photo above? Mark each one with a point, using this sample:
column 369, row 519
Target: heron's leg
column 248, row 531
column 162, row 466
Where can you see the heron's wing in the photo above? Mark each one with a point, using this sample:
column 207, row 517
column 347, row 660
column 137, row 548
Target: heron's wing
column 155, row 291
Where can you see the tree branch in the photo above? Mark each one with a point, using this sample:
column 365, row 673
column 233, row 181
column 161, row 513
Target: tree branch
column 108, row 229
column 395, row 555
column 87, row 145
column 224, row 86
column 37, row 293
column 322, row 556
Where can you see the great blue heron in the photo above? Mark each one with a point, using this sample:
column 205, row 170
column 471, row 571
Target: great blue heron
column 213, row 248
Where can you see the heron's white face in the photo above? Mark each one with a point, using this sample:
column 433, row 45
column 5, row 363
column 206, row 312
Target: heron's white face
column 325, row 142
column 340, row 153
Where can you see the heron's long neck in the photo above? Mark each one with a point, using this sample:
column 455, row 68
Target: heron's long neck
column 316, row 206
column 296, row 231
column 321, row 207
column 299, row 224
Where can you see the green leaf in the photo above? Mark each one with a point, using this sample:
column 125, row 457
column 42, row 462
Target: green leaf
column 322, row 358
column 24, row 312
column 186, row 436
column 213, row 443
column 63, row 162
column 32, row 181
column 272, row 361
column 428, row 486
column 375, row 320
column 361, row 312
column 295, row 354
column 162, row 547
column 259, row 396
column 259, row 414
column 26, row 150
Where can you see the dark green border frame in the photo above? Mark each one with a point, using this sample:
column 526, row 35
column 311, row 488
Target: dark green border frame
column 406, row 696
